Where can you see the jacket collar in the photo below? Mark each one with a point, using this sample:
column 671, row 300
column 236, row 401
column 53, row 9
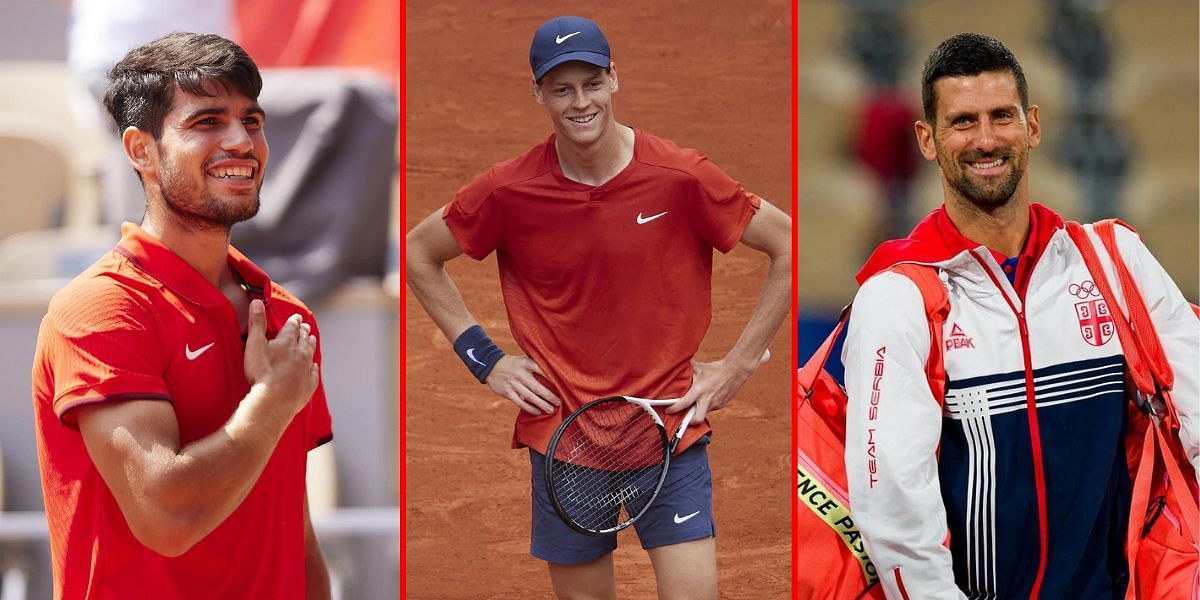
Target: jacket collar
column 936, row 239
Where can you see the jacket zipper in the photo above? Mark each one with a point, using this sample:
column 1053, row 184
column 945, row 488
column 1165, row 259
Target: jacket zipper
column 1035, row 438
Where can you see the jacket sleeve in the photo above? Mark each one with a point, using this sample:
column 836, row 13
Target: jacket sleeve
column 1178, row 329
column 893, row 427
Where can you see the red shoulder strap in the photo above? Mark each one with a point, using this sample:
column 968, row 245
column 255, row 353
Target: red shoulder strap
column 1134, row 355
column 1139, row 317
column 937, row 306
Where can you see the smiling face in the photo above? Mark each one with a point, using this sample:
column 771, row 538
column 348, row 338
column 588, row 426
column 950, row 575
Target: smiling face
column 578, row 97
column 208, row 164
column 980, row 137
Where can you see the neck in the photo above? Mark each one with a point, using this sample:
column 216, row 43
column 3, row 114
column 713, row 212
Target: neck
column 206, row 249
column 1003, row 228
column 596, row 163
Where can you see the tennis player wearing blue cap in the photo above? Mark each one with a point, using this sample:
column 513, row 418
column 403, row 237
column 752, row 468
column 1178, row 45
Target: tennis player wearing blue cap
column 604, row 236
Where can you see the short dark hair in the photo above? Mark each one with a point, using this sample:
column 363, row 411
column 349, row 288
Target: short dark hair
column 142, row 85
column 968, row 54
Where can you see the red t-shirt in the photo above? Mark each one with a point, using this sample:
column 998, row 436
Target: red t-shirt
column 608, row 288
column 141, row 323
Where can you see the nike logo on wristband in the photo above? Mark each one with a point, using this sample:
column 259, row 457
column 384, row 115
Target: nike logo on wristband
column 471, row 355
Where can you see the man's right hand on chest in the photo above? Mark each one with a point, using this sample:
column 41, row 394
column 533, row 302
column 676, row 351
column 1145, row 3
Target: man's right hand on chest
column 283, row 365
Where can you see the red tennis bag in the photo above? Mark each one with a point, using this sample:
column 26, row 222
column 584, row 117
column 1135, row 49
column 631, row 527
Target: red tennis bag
column 833, row 563
column 1160, row 544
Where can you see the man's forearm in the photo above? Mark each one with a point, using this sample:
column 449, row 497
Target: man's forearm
column 774, row 299
column 430, row 245
column 180, row 494
column 769, row 231
column 440, row 298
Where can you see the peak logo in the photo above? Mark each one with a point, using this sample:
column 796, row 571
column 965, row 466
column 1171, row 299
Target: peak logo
column 958, row 339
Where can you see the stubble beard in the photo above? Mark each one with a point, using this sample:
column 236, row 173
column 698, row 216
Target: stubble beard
column 196, row 208
column 986, row 196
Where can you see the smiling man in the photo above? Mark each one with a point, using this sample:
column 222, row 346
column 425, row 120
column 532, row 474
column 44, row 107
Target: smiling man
column 986, row 458
column 604, row 236
column 176, row 388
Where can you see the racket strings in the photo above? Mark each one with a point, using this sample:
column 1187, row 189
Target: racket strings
column 607, row 464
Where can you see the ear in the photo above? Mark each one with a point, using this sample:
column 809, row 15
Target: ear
column 924, row 133
column 1034, row 126
column 612, row 74
column 140, row 150
column 537, row 92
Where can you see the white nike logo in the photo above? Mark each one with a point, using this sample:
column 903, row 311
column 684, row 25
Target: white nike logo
column 194, row 354
column 679, row 519
column 642, row 220
column 559, row 40
column 471, row 355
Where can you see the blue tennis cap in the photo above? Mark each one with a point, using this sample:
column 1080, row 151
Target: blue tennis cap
column 563, row 39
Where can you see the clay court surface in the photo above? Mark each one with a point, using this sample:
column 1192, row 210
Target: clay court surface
column 713, row 76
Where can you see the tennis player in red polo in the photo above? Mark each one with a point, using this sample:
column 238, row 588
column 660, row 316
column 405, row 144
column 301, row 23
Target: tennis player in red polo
column 604, row 236
column 176, row 388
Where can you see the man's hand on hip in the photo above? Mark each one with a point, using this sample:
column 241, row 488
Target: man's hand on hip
column 513, row 378
column 714, row 385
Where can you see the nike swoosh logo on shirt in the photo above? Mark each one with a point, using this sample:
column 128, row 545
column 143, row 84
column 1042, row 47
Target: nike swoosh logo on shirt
column 471, row 355
column 559, row 40
column 194, row 354
column 679, row 519
column 643, row 220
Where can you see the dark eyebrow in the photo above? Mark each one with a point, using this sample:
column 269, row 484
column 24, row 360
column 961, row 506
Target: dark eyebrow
column 204, row 112
column 1009, row 108
column 215, row 111
column 954, row 116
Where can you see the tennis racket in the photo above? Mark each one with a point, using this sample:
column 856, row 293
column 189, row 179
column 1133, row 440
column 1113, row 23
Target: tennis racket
column 607, row 462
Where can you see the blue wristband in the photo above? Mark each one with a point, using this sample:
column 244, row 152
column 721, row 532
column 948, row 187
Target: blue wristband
column 478, row 352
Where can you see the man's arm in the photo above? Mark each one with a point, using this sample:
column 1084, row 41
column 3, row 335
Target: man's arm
column 429, row 246
column 893, row 427
column 714, row 383
column 316, row 573
column 1178, row 330
column 172, row 496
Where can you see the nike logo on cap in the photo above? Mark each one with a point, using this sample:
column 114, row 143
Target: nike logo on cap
column 643, row 220
column 561, row 39
column 679, row 519
column 194, row 354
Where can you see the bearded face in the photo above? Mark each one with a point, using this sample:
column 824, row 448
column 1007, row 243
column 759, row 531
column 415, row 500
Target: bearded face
column 981, row 138
column 987, row 179
column 211, row 158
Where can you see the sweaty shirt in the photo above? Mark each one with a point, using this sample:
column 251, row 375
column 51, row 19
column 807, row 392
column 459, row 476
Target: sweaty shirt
column 607, row 288
column 141, row 323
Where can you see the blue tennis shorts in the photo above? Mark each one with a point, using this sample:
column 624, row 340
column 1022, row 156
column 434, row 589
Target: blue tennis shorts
column 682, row 512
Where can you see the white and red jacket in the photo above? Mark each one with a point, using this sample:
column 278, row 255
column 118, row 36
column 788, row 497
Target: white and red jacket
column 1015, row 484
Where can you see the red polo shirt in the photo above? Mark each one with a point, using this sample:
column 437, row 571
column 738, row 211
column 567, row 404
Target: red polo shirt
column 609, row 287
column 141, row 323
